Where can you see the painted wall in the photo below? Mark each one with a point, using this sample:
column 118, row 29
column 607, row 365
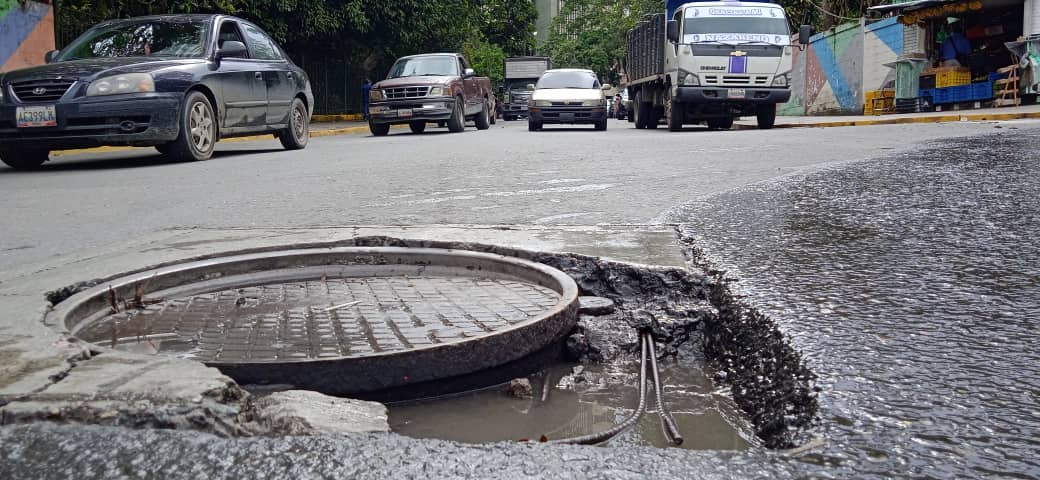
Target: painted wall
column 832, row 75
column 26, row 33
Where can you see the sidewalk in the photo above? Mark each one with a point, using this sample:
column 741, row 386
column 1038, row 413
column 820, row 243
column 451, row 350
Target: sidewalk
column 969, row 115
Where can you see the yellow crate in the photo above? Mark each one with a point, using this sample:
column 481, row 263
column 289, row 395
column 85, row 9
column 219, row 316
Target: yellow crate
column 882, row 106
column 952, row 77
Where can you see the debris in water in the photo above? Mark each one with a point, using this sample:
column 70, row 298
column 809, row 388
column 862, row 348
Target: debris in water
column 520, row 388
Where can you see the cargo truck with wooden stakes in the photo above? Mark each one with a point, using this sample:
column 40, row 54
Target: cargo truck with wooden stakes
column 710, row 62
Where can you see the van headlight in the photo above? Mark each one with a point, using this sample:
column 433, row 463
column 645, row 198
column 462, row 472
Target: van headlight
column 542, row 103
column 595, row 103
column 118, row 84
column 690, row 79
column 780, row 80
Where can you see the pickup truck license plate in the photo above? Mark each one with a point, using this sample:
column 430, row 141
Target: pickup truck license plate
column 736, row 93
column 44, row 116
column 404, row 113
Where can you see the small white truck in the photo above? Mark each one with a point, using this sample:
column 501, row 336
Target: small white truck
column 710, row 62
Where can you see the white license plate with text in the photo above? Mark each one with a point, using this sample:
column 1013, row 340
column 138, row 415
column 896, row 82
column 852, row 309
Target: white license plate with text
column 736, row 93
column 404, row 113
column 42, row 116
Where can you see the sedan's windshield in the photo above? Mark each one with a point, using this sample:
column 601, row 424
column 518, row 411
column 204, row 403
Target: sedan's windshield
column 145, row 38
column 568, row 80
column 419, row 66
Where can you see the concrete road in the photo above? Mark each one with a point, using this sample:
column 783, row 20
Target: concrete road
column 505, row 175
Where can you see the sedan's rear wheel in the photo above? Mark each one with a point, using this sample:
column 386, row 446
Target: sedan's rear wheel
column 24, row 159
column 198, row 130
column 295, row 137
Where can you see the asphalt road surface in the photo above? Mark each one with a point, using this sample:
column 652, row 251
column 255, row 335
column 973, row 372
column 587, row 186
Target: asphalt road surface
column 505, row 175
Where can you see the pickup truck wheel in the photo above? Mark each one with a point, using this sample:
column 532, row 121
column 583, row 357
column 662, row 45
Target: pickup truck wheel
column 378, row 129
column 766, row 116
column 417, row 127
column 482, row 121
column 457, row 122
column 299, row 132
column 198, row 130
column 24, row 159
column 533, row 126
column 675, row 116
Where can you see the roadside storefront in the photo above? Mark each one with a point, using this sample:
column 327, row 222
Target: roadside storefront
column 963, row 51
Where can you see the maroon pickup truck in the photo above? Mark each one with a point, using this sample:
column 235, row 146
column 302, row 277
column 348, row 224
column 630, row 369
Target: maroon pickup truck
column 433, row 87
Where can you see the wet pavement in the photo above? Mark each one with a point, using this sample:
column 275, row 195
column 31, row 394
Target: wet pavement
column 912, row 285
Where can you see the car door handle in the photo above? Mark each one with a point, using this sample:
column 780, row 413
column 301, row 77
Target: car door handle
column 288, row 75
column 258, row 75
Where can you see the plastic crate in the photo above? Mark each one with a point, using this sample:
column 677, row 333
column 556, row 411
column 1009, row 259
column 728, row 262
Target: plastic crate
column 913, row 105
column 882, row 106
column 952, row 78
column 926, row 92
column 982, row 90
column 927, row 82
column 960, row 93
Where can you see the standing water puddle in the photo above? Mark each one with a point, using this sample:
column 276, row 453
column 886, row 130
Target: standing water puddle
column 593, row 400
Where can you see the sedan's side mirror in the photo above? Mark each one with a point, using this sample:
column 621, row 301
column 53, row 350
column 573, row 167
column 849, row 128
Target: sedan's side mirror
column 232, row 49
column 51, row 56
column 469, row 73
column 673, row 31
column 804, row 35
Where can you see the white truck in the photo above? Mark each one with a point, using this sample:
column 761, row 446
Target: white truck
column 710, row 62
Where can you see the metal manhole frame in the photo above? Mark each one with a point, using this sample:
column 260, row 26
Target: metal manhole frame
column 371, row 372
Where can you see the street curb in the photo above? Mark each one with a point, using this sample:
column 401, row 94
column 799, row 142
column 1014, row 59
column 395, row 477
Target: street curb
column 349, row 117
column 951, row 117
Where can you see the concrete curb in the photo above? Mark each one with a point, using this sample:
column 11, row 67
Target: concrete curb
column 350, row 117
column 944, row 118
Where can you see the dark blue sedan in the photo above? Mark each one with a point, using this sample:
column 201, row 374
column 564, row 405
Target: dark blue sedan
column 179, row 83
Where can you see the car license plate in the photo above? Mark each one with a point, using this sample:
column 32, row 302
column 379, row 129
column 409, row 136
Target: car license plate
column 736, row 93
column 566, row 117
column 404, row 113
column 44, row 116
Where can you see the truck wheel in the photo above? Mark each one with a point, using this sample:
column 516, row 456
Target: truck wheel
column 482, row 121
column 601, row 125
column 457, row 122
column 24, row 159
column 675, row 116
column 198, row 130
column 653, row 119
column 533, row 126
column 641, row 111
column 766, row 117
column 417, row 127
column 378, row 129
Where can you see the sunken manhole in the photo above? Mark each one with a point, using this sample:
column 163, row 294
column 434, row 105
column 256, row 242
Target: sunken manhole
column 340, row 321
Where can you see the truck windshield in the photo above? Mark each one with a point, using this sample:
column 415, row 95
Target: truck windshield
column 736, row 24
column 145, row 38
column 568, row 80
column 419, row 66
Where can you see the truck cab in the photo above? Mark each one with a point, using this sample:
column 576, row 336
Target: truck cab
column 718, row 61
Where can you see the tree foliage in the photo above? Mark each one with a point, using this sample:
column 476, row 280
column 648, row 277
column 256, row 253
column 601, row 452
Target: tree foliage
column 591, row 33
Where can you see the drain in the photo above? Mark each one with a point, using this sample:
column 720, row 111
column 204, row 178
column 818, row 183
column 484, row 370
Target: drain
column 336, row 320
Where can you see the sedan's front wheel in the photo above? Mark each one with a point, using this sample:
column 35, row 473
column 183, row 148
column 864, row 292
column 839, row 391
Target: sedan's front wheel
column 198, row 130
column 24, row 159
column 295, row 137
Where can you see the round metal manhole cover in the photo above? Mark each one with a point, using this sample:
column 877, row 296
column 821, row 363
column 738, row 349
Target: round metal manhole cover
column 340, row 320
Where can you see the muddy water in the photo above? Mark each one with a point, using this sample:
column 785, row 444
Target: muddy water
column 564, row 404
column 912, row 286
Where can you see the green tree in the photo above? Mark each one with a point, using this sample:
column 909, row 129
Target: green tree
column 591, row 33
column 510, row 25
column 486, row 58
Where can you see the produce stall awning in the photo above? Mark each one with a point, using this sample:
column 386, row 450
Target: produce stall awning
column 909, row 6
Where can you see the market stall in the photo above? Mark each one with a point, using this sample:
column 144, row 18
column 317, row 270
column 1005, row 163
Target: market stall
column 964, row 54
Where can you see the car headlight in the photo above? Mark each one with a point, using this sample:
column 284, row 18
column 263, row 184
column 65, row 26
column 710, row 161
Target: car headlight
column 542, row 103
column 376, row 95
column 440, row 92
column 117, row 84
column 780, row 80
column 691, row 79
column 594, row 103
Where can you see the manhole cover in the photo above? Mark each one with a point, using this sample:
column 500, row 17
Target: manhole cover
column 341, row 320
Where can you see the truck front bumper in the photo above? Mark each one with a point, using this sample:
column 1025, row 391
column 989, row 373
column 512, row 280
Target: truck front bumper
column 411, row 110
column 729, row 95
column 568, row 115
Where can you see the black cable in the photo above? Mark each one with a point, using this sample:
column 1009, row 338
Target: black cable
column 671, row 430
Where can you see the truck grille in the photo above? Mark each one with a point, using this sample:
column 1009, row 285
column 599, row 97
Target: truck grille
column 406, row 92
column 520, row 98
column 736, row 79
column 47, row 90
column 566, row 104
